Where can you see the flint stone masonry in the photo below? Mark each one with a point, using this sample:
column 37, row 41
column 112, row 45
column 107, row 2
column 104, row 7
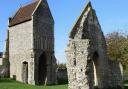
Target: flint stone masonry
column 30, row 45
column 86, row 54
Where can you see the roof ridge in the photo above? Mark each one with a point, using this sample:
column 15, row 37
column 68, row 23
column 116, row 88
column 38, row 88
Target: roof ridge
column 29, row 4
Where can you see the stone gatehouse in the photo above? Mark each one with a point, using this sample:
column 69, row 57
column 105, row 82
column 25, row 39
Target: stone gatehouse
column 87, row 55
column 30, row 44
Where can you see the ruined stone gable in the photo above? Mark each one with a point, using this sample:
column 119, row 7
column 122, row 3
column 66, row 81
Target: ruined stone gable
column 86, row 52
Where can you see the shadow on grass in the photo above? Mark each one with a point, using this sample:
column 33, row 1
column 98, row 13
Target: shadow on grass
column 126, row 87
column 62, row 81
column 7, row 80
column 126, row 82
column 118, row 87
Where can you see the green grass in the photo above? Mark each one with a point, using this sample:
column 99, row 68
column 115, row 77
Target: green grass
column 126, row 82
column 11, row 84
column 125, row 87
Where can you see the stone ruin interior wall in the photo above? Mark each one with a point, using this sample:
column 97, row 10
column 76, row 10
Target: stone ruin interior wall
column 125, row 74
column 86, row 49
column 116, row 76
column 62, row 74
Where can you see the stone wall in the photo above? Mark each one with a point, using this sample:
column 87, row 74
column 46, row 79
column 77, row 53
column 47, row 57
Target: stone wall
column 87, row 50
column 1, row 61
column 21, row 50
column 30, row 40
column 5, row 58
column 1, row 54
column 43, row 24
column 116, row 77
column 62, row 73
column 126, row 72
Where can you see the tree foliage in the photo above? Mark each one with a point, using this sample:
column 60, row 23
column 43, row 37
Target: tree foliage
column 117, row 46
column 62, row 65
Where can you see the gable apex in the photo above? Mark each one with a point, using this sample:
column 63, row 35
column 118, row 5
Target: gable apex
column 74, row 29
column 39, row 1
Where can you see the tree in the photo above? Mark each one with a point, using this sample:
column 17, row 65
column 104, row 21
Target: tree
column 62, row 65
column 117, row 46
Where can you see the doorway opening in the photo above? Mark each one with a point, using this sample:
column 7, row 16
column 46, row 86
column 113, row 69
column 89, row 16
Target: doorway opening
column 42, row 69
column 25, row 72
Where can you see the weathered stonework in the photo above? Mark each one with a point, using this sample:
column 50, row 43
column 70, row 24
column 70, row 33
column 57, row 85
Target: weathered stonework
column 86, row 52
column 116, row 75
column 62, row 73
column 125, row 74
column 20, row 50
column 4, row 68
column 0, row 61
column 31, row 46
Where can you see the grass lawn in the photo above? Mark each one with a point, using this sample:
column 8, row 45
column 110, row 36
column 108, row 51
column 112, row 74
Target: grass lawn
column 126, row 83
column 11, row 84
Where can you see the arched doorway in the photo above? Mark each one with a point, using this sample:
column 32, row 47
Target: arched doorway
column 25, row 72
column 42, row 69
column 95, row 68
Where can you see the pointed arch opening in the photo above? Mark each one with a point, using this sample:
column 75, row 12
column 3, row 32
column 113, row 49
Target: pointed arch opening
column 96, row 68
column 42, row 69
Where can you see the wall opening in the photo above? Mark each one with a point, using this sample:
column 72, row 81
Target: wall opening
column 95, row 68
column 14, row 77
column 74, row 62
column 25, row 72
column 42, row 69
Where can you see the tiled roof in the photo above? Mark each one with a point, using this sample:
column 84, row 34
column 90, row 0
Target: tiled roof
column 23, row 14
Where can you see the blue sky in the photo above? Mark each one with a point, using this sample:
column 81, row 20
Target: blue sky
column 112, row 15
